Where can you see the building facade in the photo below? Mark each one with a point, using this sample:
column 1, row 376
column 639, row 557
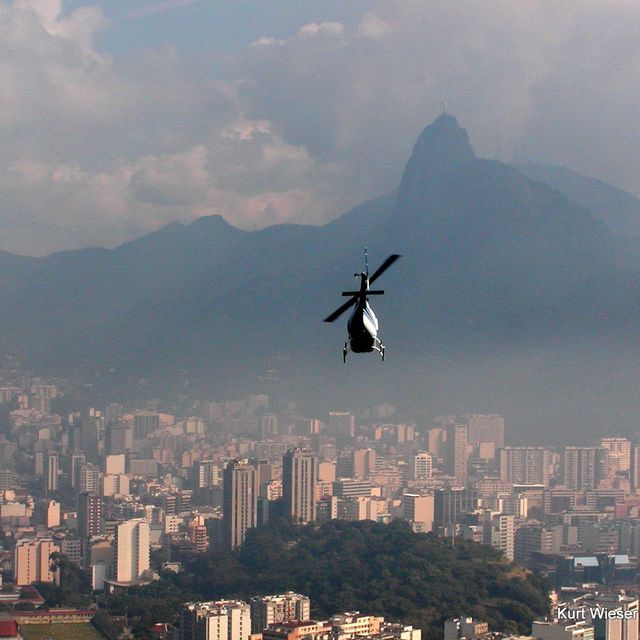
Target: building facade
column 131, row 550
column 299, row 480
column 240, row 501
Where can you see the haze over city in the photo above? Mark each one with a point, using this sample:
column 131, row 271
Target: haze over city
column 188, row 189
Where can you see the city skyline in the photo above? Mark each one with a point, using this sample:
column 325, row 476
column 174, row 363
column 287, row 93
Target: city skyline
column 213, row 478
column 188, row 451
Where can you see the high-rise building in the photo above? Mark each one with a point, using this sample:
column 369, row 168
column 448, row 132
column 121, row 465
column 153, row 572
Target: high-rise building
column 619, row 450
column 88, row 480
column 326, row 471
column 93, row 430
column 72, row 548
column 115, row 485
column 144, row 423
column 621, row 625
column 113, row 413
column 536, row 539
column 8, row 451
column 89, row 515
column 74, row 431
column 344, row 465
column 266, row 476
column 525, row 465
column 363, row 463
column 221, row 620
column 77, row 459
column 204, row 474
column 32, row 561
column 38, row 464
column 47, row 512
column 199, row 537
column 266, row 610
column 7, row 479
column 342, row 424
column 119, row 438
column 634, row 467
column 131, row 550
column 268, row 425
column 486, row 428
column 50, row 472
column 449, row 504
column 299, row 479
column 114, row 464
column 457, row 453
column 437, row 441
column 419, row 511
column 580, row 468
column 240, row 501
column 499, row 532
column 422, row 463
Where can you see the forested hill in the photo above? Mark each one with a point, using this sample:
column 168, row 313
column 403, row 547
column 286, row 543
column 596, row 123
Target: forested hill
column 379, row 569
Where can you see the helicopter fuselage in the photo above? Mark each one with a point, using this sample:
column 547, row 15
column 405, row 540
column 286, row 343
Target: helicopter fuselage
column 362, row 328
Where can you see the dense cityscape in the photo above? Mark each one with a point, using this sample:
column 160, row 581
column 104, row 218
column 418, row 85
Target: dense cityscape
column 115, row 497
column 224, row 416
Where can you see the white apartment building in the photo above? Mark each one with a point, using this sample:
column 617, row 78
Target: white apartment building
column 220, row 620
column 266, row 610
column 131, row 550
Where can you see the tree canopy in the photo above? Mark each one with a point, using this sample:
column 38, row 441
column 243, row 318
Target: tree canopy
column 379, row 569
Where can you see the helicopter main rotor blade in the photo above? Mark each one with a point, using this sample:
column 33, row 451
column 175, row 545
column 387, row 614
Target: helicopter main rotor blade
column 340, row 310
column 383, row 267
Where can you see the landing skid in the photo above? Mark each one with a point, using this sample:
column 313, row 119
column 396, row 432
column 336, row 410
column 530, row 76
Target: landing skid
column 378, row 346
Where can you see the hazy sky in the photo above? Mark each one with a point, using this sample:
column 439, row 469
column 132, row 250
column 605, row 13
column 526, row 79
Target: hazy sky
column 119, row 116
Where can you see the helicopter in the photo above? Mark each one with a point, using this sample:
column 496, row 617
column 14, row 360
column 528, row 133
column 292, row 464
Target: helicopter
column 362, row 326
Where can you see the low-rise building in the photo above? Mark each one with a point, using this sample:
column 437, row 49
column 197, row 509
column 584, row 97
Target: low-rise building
column 286, row 607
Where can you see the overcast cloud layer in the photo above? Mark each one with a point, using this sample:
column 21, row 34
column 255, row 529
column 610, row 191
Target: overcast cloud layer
column 97, row 150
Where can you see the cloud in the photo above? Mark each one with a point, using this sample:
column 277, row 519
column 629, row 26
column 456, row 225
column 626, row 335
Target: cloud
column 323, row 28
column 159, row 7
column 297, row 127
column 364, row 96
column 554, row 82
column 97, row 150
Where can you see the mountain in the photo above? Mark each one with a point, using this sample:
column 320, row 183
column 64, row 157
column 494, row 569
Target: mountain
column 510, row 297
column 619, row 209
column 512, row 253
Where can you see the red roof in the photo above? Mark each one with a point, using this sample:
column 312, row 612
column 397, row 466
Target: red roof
column 8, row 629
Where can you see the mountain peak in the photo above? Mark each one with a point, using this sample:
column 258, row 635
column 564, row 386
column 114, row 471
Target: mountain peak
column 442, row 145
column 209, row 222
